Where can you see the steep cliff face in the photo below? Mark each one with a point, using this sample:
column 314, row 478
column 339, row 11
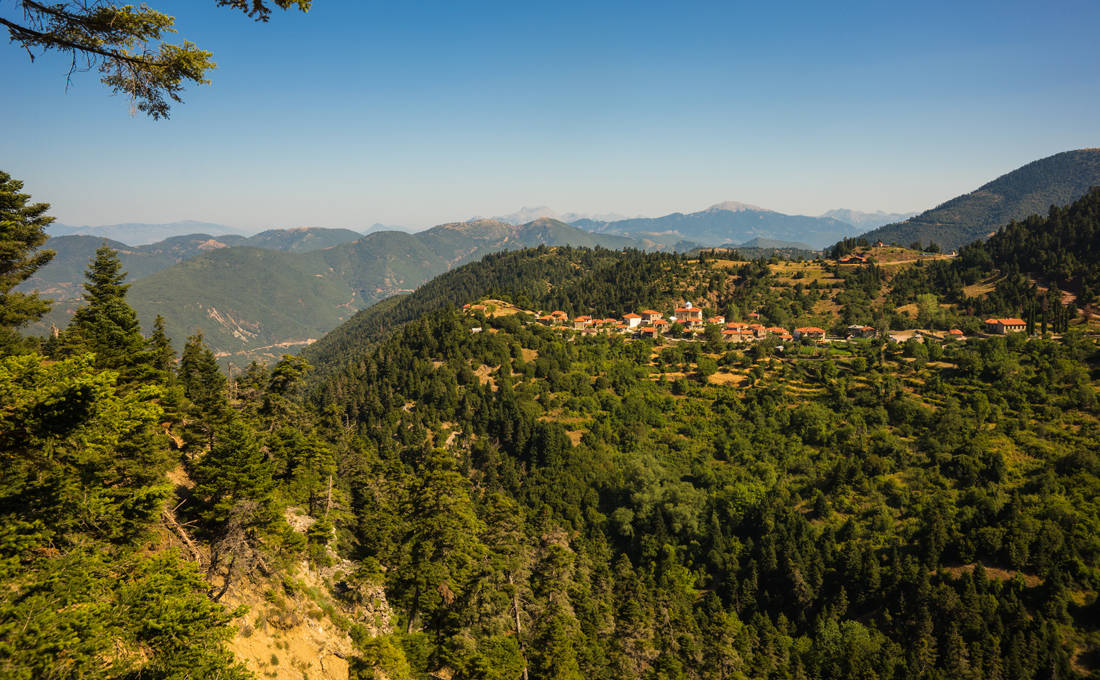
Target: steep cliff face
column 291, row 623
column 296, row 626
column 288, row 633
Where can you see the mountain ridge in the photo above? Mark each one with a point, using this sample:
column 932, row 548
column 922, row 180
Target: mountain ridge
column 141, row 233
column 1030, row 189
column 727, row 222
column 261, row 302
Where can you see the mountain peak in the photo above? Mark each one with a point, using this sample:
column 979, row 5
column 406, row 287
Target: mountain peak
column 543, row 221
column 527, row 214
column 735, row 206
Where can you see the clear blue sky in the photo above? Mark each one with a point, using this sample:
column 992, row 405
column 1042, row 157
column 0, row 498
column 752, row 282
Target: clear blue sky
column 415, row 113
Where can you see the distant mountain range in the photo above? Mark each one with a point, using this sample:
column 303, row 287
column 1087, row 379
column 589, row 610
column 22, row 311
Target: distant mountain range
column 378, row 226
column 139, row 234
column 61, row 280
column 135, row 234
column 527, row 214
column 724, row 223
column 300, row 239
column 770, row 244
column 142, row 234
column 866, row 220
column 271, row 293
column 1058, row 180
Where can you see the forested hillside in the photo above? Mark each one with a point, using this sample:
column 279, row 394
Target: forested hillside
column 1043, row 267
column 475, row 495
column 613, row 509
column 565, row 278
column 1058, row 180
column 61, row 279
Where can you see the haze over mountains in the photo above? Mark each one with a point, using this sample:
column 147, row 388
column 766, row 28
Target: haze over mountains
column 866, row 220
column 527, row 214
column 140, row 233
column 723, row 223
column 769, row 224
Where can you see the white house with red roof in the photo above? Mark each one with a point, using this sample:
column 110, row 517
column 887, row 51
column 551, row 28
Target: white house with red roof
column 1005, row 326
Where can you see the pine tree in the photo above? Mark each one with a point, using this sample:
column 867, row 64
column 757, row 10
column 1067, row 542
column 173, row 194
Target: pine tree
column 107, row 325
column 235, row 469
column 22, row 233
column 77, row 454
column 554, row 655
column 234, row 483
column 442, row 542
column 202, row 381
column 160, row 347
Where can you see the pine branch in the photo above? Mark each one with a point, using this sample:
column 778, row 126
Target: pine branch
column 24, row 34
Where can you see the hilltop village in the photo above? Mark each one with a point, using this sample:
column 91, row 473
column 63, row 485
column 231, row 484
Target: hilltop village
column 689, row 322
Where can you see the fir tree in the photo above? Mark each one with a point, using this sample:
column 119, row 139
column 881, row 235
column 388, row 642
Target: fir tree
column 235, row 469
column 202, row 381
column 160, row 347
column 107, row 325
column 22, row 233
column 234, row 483
column 442, row 542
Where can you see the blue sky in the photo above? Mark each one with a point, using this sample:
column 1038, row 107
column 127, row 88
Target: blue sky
column 416, row 113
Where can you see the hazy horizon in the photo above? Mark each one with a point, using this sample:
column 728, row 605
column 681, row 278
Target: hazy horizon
column 377, row 226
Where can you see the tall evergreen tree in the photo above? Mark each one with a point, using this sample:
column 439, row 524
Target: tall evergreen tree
column 443, row 544
column 107, row 325
column 163, row 357
column 22, row 233
column 202, row 381
column 235, row 469
column 234, row 483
